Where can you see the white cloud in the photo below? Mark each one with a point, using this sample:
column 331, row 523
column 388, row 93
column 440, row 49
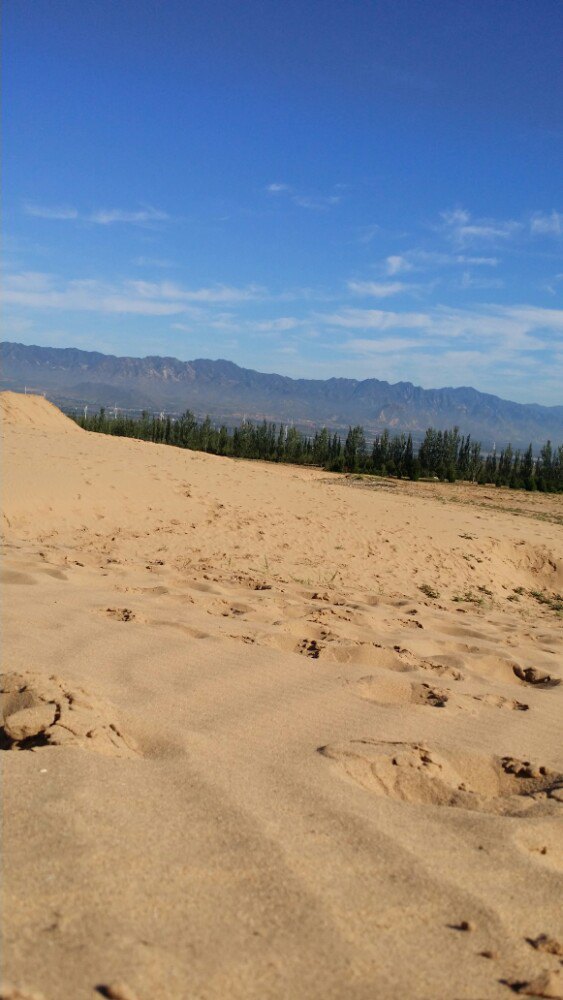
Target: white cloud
column 160, row 262
column 396, row 265
column 102, row 217
column 373, row 319
column 216, row 293
column 469, row 281
column 462, row 229
column 514, row 329
column 108, row 216
column 382, row 345
column 377, row 289
column 417, row 259
column 51, row 212
column 477, row 261
column 548, row 225
column 42, row 291
column 318, row 203
column 367, row 233
column 279, row 325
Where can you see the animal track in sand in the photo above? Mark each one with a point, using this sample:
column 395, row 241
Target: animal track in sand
column 39, row 711
column 414, row 773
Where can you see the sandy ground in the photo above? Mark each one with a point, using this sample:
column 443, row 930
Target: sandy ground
column 274, row 733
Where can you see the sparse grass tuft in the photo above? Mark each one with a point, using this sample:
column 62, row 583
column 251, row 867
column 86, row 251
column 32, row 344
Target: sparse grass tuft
column 553, row 601
column 429, row 591
column 468, row 598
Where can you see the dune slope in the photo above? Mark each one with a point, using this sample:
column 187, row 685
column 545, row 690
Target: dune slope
column 274, row 733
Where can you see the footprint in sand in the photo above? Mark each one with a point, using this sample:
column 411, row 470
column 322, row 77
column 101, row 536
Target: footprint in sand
column 310, row 647
column 499, row 701
column 120, row 614
column 539, row 678
column 37, row 711
column 397, row 691
column 414, row 773
column 438, row 666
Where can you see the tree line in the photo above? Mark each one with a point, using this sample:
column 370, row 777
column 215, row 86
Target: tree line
column 446, row 455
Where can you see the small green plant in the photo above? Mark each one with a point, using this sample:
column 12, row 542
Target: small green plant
column 468, row 598
column 429, row 591
column 553, row 601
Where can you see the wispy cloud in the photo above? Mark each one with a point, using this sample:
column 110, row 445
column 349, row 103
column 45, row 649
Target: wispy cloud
column 382, row 345
column 51, row 211
column 516, row 328
column 377, row 289
column 145, row 216
column 469, row 280
column 366, row 234
column 373, row 319
column 316, row 202
column 547, row 225
column 159, row 262
column 108, row 216
column 462, row 229
column 417, row 259
column 216, row 293
column 397, row 265
column 42, row 291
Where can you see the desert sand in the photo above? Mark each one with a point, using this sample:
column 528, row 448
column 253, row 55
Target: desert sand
column 271, row 732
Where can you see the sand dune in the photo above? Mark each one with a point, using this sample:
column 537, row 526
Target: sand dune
column 274, row 733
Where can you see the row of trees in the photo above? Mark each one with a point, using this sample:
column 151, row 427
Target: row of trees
column 444, row 454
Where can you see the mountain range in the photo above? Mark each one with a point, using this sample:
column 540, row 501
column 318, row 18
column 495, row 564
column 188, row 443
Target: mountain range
column 73, row 378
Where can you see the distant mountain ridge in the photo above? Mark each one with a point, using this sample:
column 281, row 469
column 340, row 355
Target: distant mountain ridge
column 71, row 377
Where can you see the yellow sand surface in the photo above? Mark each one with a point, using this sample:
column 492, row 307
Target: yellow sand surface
column 270, row 732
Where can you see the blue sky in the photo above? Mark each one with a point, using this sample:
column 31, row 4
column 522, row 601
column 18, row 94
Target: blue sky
column 317, row 188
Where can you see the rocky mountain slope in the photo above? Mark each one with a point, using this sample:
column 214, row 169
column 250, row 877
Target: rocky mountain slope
column 72, row 377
